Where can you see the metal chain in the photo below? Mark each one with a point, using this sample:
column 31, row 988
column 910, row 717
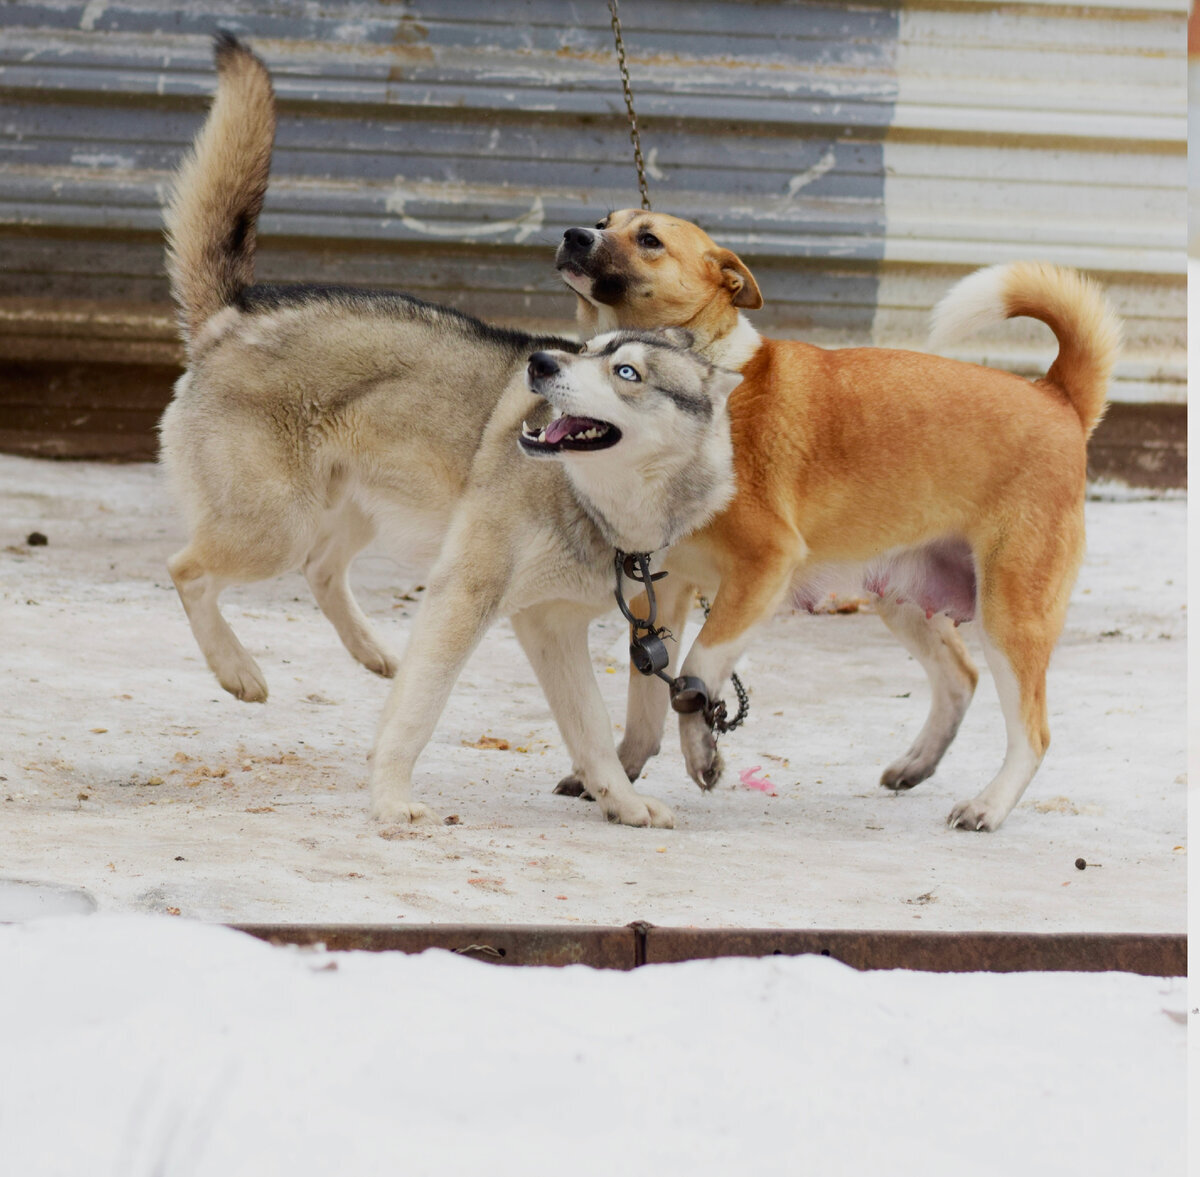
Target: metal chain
column 719, row 721
column 634, row 137
column 649, row 655
column 647, row 641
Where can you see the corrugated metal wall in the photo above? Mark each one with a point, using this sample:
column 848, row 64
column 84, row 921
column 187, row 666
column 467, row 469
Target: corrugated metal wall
column 859, row 156
column 1043, row 130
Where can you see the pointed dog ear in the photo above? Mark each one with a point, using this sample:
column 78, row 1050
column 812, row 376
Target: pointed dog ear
column 679, row 337
column 738, row 280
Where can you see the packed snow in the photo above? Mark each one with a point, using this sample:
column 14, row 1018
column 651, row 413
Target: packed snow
column 129, row 773
column 138, row 1046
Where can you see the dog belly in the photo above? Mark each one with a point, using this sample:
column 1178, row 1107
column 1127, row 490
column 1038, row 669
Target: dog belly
column 938, row 577
column 410, row 536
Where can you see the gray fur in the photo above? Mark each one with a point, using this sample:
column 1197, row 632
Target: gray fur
column 311, row 419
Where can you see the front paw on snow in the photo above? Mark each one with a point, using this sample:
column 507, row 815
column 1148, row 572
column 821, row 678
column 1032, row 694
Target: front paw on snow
column 640, row 811
column 392, row 812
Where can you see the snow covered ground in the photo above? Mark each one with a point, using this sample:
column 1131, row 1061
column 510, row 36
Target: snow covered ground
column 128, row 772
column 137, row 1046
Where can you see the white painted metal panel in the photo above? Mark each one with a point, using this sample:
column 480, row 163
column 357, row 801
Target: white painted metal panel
column 1045, row 131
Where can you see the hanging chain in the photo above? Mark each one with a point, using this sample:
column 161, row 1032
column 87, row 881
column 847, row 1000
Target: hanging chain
column 634, row 137
column 647, row 647
column 649, row 654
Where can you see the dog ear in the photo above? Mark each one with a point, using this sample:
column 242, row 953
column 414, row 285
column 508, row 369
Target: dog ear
column 679, row 337
column 738, row 280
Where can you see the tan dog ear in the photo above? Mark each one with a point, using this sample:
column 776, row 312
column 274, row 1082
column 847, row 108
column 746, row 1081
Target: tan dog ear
column 738, row 280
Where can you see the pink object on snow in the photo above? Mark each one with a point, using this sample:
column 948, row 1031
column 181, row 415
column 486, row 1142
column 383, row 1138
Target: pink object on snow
column 752, row 782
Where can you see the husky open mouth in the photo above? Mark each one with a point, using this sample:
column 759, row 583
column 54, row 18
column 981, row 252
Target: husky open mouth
column 569, row 433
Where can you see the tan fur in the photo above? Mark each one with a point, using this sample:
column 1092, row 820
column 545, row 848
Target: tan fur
column 218, row 192
column 843, row 455
column 311, row 418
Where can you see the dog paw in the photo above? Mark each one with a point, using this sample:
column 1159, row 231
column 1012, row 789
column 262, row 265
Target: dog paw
column 380, row 662
column 974, row 815
column 572, row 786
column 639, row 810
column 245, row 683
column 911, row 769
column 700, row 753
column 633, row 756
column 393, row 812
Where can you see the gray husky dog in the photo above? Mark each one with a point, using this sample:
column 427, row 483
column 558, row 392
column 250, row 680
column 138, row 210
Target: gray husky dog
column 310, row 418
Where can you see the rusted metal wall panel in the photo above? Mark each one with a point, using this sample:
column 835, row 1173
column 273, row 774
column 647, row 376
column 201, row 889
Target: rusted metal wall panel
column 860, row 156
column 415, row 129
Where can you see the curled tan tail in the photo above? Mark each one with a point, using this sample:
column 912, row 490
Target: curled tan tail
column 218, row 191
column 1072, row 306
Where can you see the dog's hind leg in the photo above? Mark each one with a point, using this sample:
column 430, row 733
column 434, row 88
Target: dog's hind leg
column 199, row 588
column 935, row 644
column 554, row 637
column 646, row 705
column 344, row 533
column 1022, row 690
column 1025, row 589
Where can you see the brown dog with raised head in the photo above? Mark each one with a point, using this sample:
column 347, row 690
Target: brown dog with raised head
column 952, row 491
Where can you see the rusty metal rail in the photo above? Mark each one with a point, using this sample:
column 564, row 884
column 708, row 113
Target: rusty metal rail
column 1160, row 955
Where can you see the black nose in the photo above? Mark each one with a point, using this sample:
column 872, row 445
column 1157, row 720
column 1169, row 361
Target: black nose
column 580, row 239
column 542, row 365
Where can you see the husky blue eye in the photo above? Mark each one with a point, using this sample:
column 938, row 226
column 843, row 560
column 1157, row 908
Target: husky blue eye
column 628, row 372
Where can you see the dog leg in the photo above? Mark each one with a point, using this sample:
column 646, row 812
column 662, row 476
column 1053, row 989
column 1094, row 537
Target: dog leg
column 555, row 639
column 648, row 700
column 646, row 705
column 344, row 534
column 935, row 644
column 199, row 589
column 460, row 603
column 1024, row 604
column 1027, row 742
column 747, row 596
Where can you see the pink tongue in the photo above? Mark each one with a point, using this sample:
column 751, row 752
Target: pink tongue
column 560, row 427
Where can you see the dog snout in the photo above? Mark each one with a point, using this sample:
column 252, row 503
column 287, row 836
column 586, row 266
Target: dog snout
column 578, row 240
column 542, row 365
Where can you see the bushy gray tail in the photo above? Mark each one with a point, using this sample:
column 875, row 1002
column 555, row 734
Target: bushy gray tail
column 219, row 189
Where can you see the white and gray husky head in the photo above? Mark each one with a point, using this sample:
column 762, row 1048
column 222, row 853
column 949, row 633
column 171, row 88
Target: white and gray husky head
column 640, row 425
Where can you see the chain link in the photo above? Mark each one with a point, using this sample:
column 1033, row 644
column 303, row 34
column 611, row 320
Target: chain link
column 634, row 137
column 720, row 721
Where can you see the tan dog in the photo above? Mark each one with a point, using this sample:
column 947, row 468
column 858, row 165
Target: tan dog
column 954, row 491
